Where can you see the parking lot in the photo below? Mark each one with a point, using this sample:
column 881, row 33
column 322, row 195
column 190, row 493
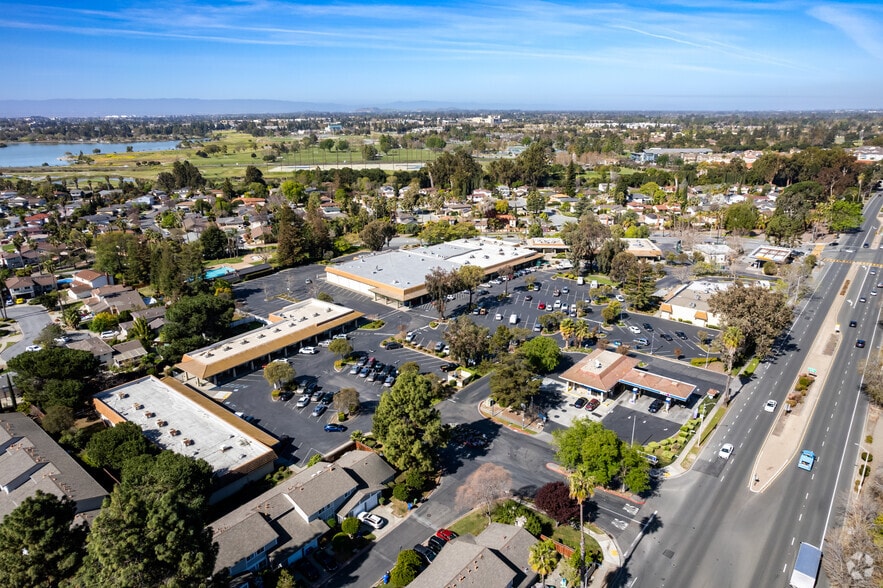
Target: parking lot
column 250, row 394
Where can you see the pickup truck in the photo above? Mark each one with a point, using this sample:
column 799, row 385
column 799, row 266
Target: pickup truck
column 807, row 459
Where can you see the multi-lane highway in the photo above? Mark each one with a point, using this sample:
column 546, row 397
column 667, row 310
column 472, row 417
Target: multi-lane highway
column 713, row 531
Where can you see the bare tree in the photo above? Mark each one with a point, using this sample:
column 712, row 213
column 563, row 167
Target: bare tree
column 484, row 487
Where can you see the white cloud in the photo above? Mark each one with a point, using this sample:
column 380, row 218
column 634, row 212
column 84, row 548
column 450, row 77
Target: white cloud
column 861, row 28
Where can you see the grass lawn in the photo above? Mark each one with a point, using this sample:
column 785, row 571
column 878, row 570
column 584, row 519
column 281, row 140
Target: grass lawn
column 569, row 536
column 472, row 524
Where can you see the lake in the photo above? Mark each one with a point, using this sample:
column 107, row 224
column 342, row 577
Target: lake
column 36, row 154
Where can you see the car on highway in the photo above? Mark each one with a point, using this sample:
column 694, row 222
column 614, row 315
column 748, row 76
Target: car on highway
column 592, row 404
column 873, row 292
column 726, row 451
column 770, row 406
column 580, row 402
column 681, row 335
column 862, row 299
column 807, row 460
column 860, row 343
column 634, row 329
column 334, row 428
column 655, row 406
column 308, row 350
column 880, row 285
column 33, row 348
column 853, row 324
column 372, row 520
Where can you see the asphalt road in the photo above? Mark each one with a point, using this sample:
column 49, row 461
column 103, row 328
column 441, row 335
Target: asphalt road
column 713, row 531
column 31, row 319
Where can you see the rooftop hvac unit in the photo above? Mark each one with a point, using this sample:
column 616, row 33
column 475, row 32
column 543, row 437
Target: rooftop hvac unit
column 150, row 414
column 137, row 406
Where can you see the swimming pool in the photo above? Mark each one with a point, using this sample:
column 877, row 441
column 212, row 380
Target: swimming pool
column 218, row 272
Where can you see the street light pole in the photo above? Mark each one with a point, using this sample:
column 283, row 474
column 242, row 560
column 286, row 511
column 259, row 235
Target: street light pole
column 634, row 418
column 522, row 415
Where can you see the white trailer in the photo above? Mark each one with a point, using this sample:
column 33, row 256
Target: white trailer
column 806, row 568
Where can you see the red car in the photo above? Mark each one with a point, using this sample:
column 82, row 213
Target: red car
column 541, row 306
column 445, row 534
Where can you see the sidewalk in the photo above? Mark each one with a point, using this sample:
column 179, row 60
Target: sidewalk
column 784, row 440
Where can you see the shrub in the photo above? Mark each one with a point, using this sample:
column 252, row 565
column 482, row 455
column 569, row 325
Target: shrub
column 415, row 480
column 554, row 499
column 331, row 522
column 864, row 471
column 867, row 457
column 869, row 439
column 407, row 567
column 401, row 492
column 350, row 526
column 532, row 523
column 341, row 543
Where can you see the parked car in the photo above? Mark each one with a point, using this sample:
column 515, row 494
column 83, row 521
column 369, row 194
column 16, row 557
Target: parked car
column 634, row 329
column 439, row 346
column 410, row 336
column 448, row 367
column 307, row 570
column 665, row 336
column 565, row 290
column 647, row 327
column 303, row 401
column 389, row 381
column 33, row 348
column 354, row 370
column 341, row 336
column 656, row 405
column 363, row 373
column 446, row 534
column 498, row 317
column 580, row 402
column 372, row 520
column 541, row 306
column 61, row 340
column 681, row 335
column 286, row 395
column 642, row 341
column 308, row 350
column 592, row 404
column 334, row 428
column 324, row 342
column 426, row 553
column 108, row 334
column 320, row 410
column 436, row 544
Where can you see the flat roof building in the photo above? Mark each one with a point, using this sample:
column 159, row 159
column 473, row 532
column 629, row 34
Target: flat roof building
column 290, row 328
column 175, row 417
column 31, row 460
column 643, row 248
column 689, row 303
column 398, row 277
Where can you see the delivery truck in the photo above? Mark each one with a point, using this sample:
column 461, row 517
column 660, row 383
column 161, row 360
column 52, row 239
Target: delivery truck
column 806, row 568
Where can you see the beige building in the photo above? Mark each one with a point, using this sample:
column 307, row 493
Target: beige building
column 689, row 304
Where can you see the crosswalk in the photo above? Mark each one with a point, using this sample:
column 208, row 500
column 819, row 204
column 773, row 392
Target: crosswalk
column 852, row 261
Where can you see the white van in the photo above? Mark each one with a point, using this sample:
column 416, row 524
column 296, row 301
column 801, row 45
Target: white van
column 593, row 284
column 513, row 319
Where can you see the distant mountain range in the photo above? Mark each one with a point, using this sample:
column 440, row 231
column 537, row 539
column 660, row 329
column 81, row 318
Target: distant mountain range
column 99, row 107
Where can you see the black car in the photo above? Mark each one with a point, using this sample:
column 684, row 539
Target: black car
column 665, row 336
column 647, row 327
column 286, row 395
column 436, row 544
column 860, row 343
column 426, row 553
column 853, row 324
column 865, row 245
column 580, row 402
column 307, row 570
column 328, row 563
column 448, row 367
column 655, row 406
column 681, row 335
column 393, row 345
column 528, row 297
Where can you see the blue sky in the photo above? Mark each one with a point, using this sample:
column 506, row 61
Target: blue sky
column 688, row 54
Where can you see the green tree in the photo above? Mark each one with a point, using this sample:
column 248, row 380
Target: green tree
column 340, row 347
column 279, row 374
column 408, row 425
column 731, row 341
column 741, row 218
column 541, row 353
column 439, row 283
column 611, row 312
column 621, row 266
column 195, row 321
column 254, row 176
column 377, row 233
column 55, row 376
column 543, row 558
column 71, row 318
column 469, row 278
column 468, row 341
column 294, row 192
column 113, row 447
column 214, row 242
column 291, row 248
column 347, row 400
column 408, row 565
column 641, row 284
column 589, row 447
column 350, row 526
column 760, row 314
column 635, row 470
column 141, row 331
column 152, row 529
column 584, row 239
column 369, row 152
column 39, row 544
column 512, row 383
column 844, row 216
column 535, row 202
column 58, row 418
column 48, row 335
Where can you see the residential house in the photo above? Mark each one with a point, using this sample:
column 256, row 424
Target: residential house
column 30, row 286
column 155, row 317
column 92, row 279
column 498, row 556
column 30, row 460
column 282, row 525
column 96, row 347
column 17, row 260
column 114, row 299
column 128, row 352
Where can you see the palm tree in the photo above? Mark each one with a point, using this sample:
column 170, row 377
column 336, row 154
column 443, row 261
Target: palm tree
column 731, row 341
column 543, row 558
column 582, row 486
column 568, row 328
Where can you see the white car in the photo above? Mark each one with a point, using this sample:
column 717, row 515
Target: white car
column 108, row 334
column 770, row 406
column 372, row 520
column 64, row 340
column 634, row 329
column 726, row 451
column 557, row 304
column 341, row 336
column 498, row 317
column 303, row 401
column 620, row 297
column 33, row 348
column 325, row 343
column 308, row 350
